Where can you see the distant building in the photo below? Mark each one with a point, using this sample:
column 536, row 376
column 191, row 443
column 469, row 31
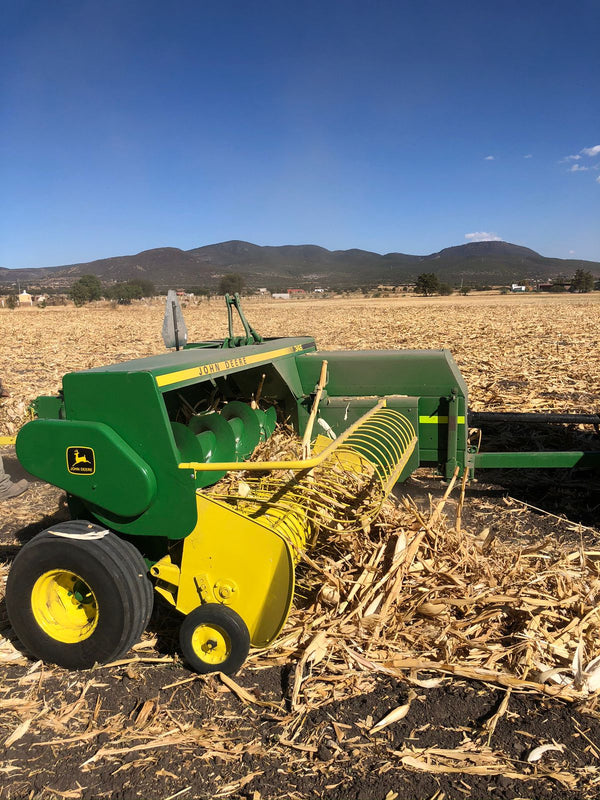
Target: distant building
column 517, row 287
column 558, row 285
column 296, row 292
column 25, row 299
column 263, row 291
column 281, row 295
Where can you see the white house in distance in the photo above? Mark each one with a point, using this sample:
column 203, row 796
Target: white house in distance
column 25, row 299
column 516, row 287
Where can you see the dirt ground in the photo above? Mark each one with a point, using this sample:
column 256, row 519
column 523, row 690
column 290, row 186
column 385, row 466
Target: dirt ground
column 149, row 728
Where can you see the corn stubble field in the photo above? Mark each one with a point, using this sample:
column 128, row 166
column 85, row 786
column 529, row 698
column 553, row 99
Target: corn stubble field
column 449, row 650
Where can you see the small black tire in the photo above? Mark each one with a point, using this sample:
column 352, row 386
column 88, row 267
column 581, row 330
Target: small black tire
column 77, row 595
column 214, row 638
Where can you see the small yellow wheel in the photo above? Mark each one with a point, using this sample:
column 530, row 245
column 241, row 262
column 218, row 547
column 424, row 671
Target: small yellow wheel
column 214, row 638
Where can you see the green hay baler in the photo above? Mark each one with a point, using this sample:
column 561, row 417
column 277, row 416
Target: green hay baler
column 138, row 447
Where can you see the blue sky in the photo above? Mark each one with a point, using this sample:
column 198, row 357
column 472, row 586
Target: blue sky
column 389, row 126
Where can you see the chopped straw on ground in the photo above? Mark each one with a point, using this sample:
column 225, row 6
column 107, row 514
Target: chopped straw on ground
column 410, row 591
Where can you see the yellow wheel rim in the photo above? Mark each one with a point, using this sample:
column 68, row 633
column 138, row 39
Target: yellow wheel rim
column 64, row 606
column 211, row 644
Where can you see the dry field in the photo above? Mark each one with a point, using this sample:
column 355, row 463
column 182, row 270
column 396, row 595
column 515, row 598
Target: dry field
column 433, row 663
column 514, row 351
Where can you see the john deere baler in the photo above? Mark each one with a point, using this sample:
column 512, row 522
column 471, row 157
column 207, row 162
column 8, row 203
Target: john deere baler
column 138, row 447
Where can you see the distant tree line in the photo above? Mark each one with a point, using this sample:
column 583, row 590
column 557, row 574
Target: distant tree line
column 428, row 284
column 88, row 288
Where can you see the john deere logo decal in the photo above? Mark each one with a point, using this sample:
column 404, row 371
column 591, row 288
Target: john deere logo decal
column 81, row 460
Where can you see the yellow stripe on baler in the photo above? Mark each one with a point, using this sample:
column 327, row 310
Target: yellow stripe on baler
column 206, row 370
column 439, row 420
column 7, row 440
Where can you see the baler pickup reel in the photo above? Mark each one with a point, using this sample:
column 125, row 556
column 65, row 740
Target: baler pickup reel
column 249, row 539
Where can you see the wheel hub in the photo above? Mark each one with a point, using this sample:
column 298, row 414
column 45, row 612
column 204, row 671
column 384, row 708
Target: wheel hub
column 64, row 606
column 211, row 643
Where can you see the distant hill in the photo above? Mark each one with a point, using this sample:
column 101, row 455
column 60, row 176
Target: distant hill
column 306, row 266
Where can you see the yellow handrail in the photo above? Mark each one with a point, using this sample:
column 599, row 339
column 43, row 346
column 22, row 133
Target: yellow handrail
column 301, row 464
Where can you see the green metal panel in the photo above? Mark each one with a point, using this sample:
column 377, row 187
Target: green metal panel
column 288, row 370
column 132, row 405
column 429, row 377
column 48, row 407
column 383, row 372
column 90, row 460
column 186, row 367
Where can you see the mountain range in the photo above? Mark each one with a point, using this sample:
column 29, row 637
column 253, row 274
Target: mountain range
column 306, row 266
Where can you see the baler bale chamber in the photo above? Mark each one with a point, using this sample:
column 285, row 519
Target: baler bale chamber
column 139, row 446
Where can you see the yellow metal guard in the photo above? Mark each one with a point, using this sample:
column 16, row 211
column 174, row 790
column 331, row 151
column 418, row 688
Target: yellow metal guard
column 231, row 559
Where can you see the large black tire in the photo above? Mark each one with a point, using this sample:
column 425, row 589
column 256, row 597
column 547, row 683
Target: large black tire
column 78, row 595
column 139, row 565
column 214, row 638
